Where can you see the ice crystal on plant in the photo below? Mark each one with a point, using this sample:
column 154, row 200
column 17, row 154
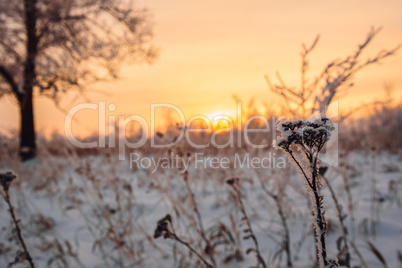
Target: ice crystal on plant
column 309, row 137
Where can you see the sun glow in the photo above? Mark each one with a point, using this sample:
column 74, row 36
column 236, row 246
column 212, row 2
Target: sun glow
column 222, row 120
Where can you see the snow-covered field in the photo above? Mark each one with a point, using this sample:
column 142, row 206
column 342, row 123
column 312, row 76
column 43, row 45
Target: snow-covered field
column 97, row 211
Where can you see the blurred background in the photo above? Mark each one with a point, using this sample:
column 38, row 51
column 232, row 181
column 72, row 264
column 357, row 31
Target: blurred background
column 212, row 50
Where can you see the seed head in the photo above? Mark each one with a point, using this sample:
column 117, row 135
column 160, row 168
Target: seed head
column 6, row 179
column 162, row 228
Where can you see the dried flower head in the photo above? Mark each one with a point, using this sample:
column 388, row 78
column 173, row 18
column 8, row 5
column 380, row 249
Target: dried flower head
column 232, row 181
column 6, row 179
column 310, row 134
column 162, row 228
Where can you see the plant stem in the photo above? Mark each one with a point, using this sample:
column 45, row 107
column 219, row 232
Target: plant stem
column 175, row 237
column 278, row 203
column 250, row 228
column 319, row 223
column 340, row 218
column 199, row 219
column 18, row 230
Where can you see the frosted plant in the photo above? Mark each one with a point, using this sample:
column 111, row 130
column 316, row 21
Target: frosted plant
column 165, row 228
column 309, row 137
column 5, row 182
column 237, row 196
column 335, row 78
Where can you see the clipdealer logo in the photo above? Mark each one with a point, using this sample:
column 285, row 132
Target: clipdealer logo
column 237, row 131
column 200, row 160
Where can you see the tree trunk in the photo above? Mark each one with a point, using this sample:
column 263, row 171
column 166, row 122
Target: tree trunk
column 27, row 135
column 27, row 128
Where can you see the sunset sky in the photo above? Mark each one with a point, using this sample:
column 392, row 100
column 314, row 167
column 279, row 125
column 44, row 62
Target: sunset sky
column 212, row 49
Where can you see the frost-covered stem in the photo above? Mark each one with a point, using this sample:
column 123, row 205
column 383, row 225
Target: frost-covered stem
column 282, row 216
column 320, row 228
column 199, row 219
column 301, row 169
column 286, row 239
column 310, row 136
column 350, row 204
column 187, row 245
column 165, row 228
column 5, row 182
column 320, row 218
column 193, row 202
column 319, row 223
column 18, row 230
column 249, row 227
column 340, row 218
column 257, row 249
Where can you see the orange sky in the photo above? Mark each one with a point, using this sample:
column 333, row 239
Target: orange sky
column 210, row 50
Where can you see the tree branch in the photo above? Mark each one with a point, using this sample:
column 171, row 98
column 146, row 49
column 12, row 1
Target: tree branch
column 10, row 80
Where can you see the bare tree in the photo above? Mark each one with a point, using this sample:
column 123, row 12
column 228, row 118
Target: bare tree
column 53, row 46
column 336, row 77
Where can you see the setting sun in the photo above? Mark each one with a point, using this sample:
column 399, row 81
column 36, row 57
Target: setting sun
column 222, row 120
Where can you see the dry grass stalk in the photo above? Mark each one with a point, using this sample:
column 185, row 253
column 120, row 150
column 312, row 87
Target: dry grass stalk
column 5, row 182
column 237, row 196
column 342, row 242
column 278, row 200
column 164, row 228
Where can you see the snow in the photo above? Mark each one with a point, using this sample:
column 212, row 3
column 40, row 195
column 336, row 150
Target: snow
column 78, row 194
